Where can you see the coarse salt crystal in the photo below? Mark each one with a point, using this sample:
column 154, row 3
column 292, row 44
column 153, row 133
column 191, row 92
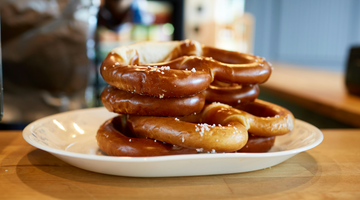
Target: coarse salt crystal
column 165, row 68
column 197, row 129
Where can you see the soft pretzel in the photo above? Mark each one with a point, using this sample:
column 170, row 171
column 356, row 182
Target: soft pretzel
column 231, row 94
column 214, row 129
column 123, row 102
column 258, row 144
column 112, row 140
column 267, row 119
column 174, row 69
column 236, row 67
column 161, row 86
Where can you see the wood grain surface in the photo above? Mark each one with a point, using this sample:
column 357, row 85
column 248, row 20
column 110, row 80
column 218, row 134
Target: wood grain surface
column 329, row 171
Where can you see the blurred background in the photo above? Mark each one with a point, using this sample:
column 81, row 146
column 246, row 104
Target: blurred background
column 51, row 49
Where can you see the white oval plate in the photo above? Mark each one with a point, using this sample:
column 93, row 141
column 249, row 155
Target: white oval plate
column 70, row 136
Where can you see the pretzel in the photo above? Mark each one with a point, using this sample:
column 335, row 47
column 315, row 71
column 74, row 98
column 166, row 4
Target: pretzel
column 231, row 94
column 214, row 129
column 267, row 119
column 123, row 102
column 238, row 67
column 147, row 77
column 176, row 69
column 111, row 140
column 258, row 144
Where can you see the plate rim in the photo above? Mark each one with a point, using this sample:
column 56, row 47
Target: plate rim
column 27, row 132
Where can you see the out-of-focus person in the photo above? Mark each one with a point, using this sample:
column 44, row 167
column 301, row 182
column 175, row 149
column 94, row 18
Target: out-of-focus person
column 45, row 57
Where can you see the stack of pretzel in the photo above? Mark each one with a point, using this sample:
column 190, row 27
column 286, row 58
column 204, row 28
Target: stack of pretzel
column 182, row 97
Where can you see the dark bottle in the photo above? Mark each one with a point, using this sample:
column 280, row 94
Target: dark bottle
column 352, row 79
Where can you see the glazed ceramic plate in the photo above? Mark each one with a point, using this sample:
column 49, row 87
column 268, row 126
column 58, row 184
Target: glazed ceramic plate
column 70, row 136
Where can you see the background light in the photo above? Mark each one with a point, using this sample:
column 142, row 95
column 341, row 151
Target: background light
column 168, row 29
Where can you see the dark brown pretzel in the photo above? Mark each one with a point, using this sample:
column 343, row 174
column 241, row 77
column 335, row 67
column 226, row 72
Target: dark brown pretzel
column 174, row 69
column 111, row 140
column 231, row 94
column 258, row 144
column 123, row 102
column 216, row 129
column 268, row 119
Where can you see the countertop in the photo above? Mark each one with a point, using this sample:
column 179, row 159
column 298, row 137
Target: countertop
column 328, row 171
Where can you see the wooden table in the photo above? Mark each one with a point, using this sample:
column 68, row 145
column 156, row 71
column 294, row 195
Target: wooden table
column 321, row 91
column 329, row 171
